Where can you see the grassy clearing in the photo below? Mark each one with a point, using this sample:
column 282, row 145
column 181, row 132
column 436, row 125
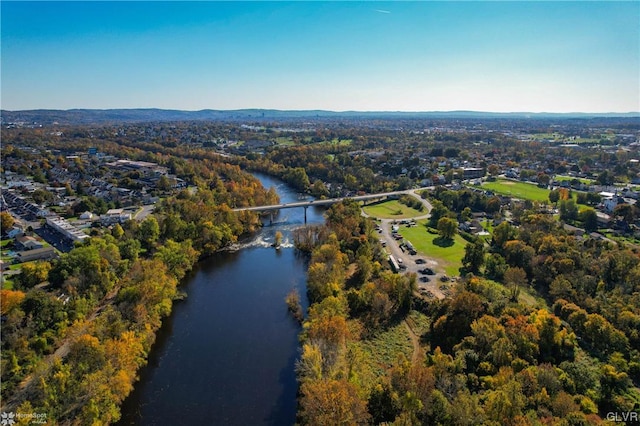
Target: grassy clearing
column 7, row 284
column 523, row 190
column 340, row 142
column 5, row 243
column 448, row 255
column 285, row 141
column 619, row 238
column 487, row 225
column 391, row 209
column 419, row 322
column 528, row 296
column 380, row 352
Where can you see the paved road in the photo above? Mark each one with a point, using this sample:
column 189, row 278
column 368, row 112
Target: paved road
column 144, row 212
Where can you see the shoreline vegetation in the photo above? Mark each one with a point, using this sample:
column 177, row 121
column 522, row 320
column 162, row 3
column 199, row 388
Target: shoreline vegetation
column 294, row 306
column 76, row 362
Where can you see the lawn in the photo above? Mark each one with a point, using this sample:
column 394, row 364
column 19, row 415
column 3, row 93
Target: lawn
column 7, row 284
column 391, row 209
column 523, row 190
column 428, row 244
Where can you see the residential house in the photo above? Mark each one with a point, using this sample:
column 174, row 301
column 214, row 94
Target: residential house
column 26, row 242
column 15, row 231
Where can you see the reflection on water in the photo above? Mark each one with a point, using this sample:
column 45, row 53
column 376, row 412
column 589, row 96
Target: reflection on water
column 226, row 356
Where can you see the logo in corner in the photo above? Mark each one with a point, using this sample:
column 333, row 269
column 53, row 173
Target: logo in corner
column 7, row 419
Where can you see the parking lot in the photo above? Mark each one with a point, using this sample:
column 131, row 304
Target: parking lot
column 61, row 243
column 429, row 284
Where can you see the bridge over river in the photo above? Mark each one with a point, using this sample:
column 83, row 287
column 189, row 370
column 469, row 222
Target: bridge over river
column 328, row 201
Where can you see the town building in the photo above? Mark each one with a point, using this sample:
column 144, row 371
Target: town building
column 66, row 229
column 44, row 253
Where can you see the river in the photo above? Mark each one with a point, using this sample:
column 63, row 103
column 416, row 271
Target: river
column 226, row 355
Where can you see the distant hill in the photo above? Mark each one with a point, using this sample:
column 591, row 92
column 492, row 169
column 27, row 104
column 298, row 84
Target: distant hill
column 97, row 116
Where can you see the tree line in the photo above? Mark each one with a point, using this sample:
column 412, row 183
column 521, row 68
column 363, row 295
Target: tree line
column 490, row 355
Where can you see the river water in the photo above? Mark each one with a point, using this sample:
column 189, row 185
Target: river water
column 227, row 353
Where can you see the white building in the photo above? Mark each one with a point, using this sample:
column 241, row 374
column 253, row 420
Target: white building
column 65, row 228
column 114, row 216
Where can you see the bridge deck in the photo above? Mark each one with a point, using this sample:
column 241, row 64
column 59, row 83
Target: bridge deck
column 325, row 202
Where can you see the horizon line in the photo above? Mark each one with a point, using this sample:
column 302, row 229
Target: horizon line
column 349, row 111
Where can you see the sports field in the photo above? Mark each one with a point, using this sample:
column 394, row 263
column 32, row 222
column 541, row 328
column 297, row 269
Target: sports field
column 523, row 190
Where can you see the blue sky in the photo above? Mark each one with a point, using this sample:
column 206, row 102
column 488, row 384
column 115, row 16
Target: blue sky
column 367, row 56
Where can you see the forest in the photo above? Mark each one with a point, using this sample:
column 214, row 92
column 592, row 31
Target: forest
column 76, row 330
column 541, row 328
column 487, row 356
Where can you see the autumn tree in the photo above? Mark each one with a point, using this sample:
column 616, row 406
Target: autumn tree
column 568, row 210
column 473, row 256
column 447, row 228
column 515, row 279
column 332, row 402
column 6, row 221
column 178, row 257
column 149, row 232
column 495, row 266
column 589, row 219
column 503, row 233
column 10, row 299
column 117, row 231
column 438, row 211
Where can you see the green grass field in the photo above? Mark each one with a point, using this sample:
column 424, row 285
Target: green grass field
column 378, row 353
column 525, row 191
column 448, row 257
column 391, row 209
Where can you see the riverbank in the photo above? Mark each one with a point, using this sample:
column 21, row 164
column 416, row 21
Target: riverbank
column 227, row 353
